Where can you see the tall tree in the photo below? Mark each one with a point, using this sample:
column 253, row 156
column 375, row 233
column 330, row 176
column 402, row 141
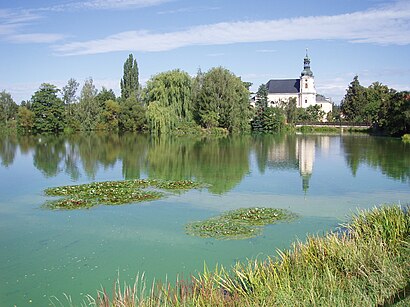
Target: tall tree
column 291, row 110
column 8, row 108
column 261, row 103
column 88, row 110
column 69, row 92
column 353, row 103
column 129, row 82
column 376, row 95
column 48, row 109
column 223, row 101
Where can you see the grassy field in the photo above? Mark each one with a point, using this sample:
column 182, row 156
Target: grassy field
column 364, row 263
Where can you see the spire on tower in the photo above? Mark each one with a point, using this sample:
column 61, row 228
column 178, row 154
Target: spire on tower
column 306, row 66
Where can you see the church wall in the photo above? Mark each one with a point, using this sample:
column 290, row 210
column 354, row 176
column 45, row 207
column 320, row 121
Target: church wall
column 275, row 100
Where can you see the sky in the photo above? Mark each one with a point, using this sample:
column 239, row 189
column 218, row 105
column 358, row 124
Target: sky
column 53, row 41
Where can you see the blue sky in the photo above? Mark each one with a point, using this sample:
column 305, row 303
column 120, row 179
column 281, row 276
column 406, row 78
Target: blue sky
column 53, row 41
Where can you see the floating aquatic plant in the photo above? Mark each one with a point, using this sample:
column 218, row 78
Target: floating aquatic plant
column 113, row 192
column 238, row 224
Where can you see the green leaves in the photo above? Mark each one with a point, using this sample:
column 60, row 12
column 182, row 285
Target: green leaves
column 238, row 224
column 48, row 109
column 113, row 192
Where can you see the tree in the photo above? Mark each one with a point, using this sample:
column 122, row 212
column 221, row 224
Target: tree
column 110, row 115
column 223, row 101
column 129, row 82
column 132, row 115
column 168, row 97
column 376, row 95
column 273, row 119
column 104, row 95
column 291, row 110
column 261, row 103
column 88, row 110
column 48, row 109
column 395, row 114
column 8, row 108
column 25, row 120
column 353, row 103
column 69, row 92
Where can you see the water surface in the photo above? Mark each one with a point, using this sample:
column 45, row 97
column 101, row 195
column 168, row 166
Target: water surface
column 43, row 253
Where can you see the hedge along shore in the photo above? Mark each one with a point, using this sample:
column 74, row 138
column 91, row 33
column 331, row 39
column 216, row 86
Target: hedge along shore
column 364, row 263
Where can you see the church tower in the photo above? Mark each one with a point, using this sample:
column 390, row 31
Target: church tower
column 307, row 94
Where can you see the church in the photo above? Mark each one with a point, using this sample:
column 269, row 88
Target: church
column 302, row 89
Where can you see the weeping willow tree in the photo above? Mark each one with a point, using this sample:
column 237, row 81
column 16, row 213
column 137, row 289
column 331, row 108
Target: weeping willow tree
column 168, row 97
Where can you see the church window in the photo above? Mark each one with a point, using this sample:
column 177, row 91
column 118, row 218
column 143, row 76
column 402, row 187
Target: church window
column 305, row 100
column 306, row 85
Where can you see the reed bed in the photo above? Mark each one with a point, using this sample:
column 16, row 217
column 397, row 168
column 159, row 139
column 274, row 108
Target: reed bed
column 365, row 263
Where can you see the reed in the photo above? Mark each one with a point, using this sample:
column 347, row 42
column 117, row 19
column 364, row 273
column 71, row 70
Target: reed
column 365, row 263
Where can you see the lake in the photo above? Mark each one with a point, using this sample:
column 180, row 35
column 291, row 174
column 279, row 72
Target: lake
column 45, row 253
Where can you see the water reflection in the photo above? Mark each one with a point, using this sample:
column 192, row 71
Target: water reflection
column 223, row 163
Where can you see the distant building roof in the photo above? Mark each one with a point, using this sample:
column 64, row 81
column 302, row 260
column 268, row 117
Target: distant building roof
column 288, row 86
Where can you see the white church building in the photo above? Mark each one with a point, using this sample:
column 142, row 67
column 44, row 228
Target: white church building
column 303, row 89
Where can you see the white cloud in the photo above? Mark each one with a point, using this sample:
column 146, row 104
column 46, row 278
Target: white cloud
column 105, row 5
column 36, row 38
column 13, row 23
column 384, row 25
column 189, row 10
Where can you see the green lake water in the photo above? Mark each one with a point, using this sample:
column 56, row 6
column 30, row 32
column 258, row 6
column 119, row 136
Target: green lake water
column 44, row 253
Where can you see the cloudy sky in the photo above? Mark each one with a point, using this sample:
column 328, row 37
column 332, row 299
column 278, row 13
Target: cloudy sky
column 52, row 41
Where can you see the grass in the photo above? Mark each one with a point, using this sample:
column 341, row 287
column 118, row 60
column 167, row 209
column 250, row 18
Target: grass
column 238, row 224
column 85, row 196
column 365, row 264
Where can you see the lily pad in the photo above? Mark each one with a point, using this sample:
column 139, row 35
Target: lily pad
column 113, row 192
column 238, row 224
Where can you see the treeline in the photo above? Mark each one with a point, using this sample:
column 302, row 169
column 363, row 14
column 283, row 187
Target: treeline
column 173, row 102
column 384, row 108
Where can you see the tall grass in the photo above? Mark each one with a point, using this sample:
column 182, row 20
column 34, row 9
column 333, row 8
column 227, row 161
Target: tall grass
column 366, row 263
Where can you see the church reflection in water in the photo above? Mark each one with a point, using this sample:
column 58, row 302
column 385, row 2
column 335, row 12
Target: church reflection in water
column 298, row 153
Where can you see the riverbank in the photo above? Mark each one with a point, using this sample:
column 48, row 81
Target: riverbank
column 366, row 262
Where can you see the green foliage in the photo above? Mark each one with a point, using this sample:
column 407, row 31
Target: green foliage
column 406, row 138
column 48, row 110
column 395, row 114
column 273, row 120
column 310, row 114
column 168, row 96
column 222, row 101
column 112, row 193
column 129, row 83
column 291, row 110
column 261, row 103
column 354, row 102
column 8, row 108
column 25, row 120
column 69, row 92
column 110, row 115
column 386, row 109
column 238, row 224
column 132, row 115
column 88, row 110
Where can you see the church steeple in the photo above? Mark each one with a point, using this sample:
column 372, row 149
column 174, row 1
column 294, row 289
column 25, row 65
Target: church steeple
column 306, row 66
